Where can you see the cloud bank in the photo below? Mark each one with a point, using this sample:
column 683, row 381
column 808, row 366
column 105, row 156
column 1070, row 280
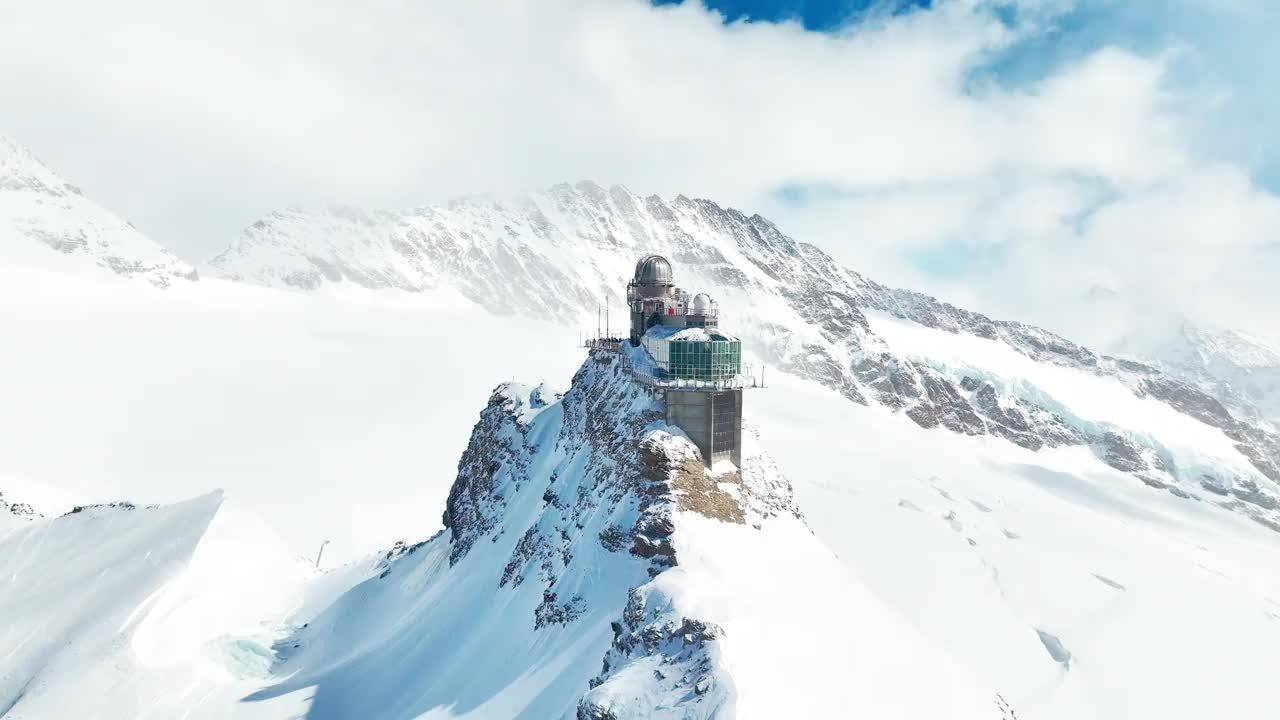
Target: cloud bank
column 1082, row 195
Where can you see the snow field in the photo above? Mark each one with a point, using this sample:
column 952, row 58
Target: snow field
column 1167, row 606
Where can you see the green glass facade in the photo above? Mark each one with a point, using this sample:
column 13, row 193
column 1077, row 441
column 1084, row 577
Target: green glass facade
column 719, row 358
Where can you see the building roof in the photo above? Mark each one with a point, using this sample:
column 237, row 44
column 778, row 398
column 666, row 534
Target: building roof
column 693, row 334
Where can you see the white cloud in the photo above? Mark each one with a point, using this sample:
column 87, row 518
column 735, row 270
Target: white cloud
column 193, row 120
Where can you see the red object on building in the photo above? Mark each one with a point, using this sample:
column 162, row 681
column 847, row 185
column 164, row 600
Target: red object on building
column 671, row 311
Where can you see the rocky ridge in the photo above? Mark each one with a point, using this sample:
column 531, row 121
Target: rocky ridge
column 565, row 509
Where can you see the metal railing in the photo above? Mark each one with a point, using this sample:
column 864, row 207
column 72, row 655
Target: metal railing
column 605, row 343
column 741, row 381
column 737, row 382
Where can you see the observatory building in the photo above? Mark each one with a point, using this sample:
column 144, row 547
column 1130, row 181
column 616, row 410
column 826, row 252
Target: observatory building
column 697, row 367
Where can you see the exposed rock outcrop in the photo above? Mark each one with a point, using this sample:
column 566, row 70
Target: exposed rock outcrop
column 678, row 657
column 17, row 509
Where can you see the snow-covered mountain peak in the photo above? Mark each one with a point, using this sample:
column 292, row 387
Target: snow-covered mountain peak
column 19, row 169
column 1241, row 369
column 46, row 222
column 511, row 255
column 1232, row 347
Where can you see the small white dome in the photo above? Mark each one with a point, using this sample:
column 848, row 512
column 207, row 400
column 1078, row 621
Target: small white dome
column 702, row 304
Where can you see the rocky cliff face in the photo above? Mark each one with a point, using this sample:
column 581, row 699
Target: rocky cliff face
column 564, row 253
column 42, row 216
column 619, row 481
column 563, row 512
column 576, row 539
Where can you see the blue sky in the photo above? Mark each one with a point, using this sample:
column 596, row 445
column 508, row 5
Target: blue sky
column 816, row 15
column 1223, row 48
column 1220, row 69
column 1223, row 45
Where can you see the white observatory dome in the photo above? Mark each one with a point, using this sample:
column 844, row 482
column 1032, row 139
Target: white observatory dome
column 702, row 305
column 653, row 270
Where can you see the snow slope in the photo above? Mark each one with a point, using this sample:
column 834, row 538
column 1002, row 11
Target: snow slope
column 45, row 222
column 77, row 585
column 1071, row 586
column 124, row 611
column 803, row 637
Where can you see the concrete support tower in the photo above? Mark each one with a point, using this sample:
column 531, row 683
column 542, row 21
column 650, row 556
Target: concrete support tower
column 711, row 419
column 697, row 367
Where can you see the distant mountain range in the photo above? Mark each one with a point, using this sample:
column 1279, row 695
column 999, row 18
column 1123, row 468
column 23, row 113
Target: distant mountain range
column 566, row 252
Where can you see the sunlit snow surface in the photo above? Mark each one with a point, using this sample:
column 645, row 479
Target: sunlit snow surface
column 1169, row 608
column 1073, row 590
column 75, row 591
